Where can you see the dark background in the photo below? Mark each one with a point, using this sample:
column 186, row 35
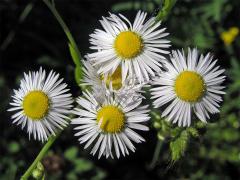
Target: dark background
column 34, row 39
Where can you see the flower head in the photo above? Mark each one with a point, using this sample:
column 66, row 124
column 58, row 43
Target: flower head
column 137, row 48
column 109, row 82
column 229, row 36
column 108, row 122
column 42, row 104
column 190, row 84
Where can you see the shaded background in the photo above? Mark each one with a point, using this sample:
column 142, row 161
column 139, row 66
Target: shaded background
column 30, row 37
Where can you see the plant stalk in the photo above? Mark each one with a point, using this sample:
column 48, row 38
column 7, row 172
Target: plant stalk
column 165, row 10
column 156, row 154
column 65, row 29
column 40, row 156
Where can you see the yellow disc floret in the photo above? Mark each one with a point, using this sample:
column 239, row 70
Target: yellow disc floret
column 115, row 79
column 189, row 86
column 35, row 105
column 128, row 44
column 111, row 119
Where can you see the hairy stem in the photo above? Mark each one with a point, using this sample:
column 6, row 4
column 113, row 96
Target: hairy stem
column 165, row 10
column 156, row 154
column 40, row 156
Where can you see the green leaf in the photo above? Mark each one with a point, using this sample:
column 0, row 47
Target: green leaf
column 229, row 135
column 74, row 54
column 82, row 165
column 136, row 5
column 10, row 170
column 122, row 6
column 71, row 153
column 13, row 147
column 200, row 125
column 193, row 131
column 77, row 60
column 179, row 145
column 202, row 41
column 25, row 12
column 72, row 176
column 73, row 48
column 213, row 9
column 100, row 174
column 78, row 74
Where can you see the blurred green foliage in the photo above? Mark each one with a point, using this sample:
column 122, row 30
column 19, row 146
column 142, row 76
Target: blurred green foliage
column 81, row 165
column 31, row 37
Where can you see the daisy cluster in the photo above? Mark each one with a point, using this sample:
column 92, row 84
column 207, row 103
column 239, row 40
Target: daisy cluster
column 125, row 58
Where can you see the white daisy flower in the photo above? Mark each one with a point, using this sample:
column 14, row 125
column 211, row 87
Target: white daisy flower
column 109, row 82
column 138, row 48
column 42, row 104
column 191, row 84
column 109, row 123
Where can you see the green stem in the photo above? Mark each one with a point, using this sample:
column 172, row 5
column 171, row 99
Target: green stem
column 76, row 56
column 66, row 30
column 40, row 156
column 156, row 154
column 74, row 51
column 165, row 10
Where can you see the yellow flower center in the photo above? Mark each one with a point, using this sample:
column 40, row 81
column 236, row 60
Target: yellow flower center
column 115, row 79
column 111, row 118
column 35, row 105
column 189, row 86
column 128, row 44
